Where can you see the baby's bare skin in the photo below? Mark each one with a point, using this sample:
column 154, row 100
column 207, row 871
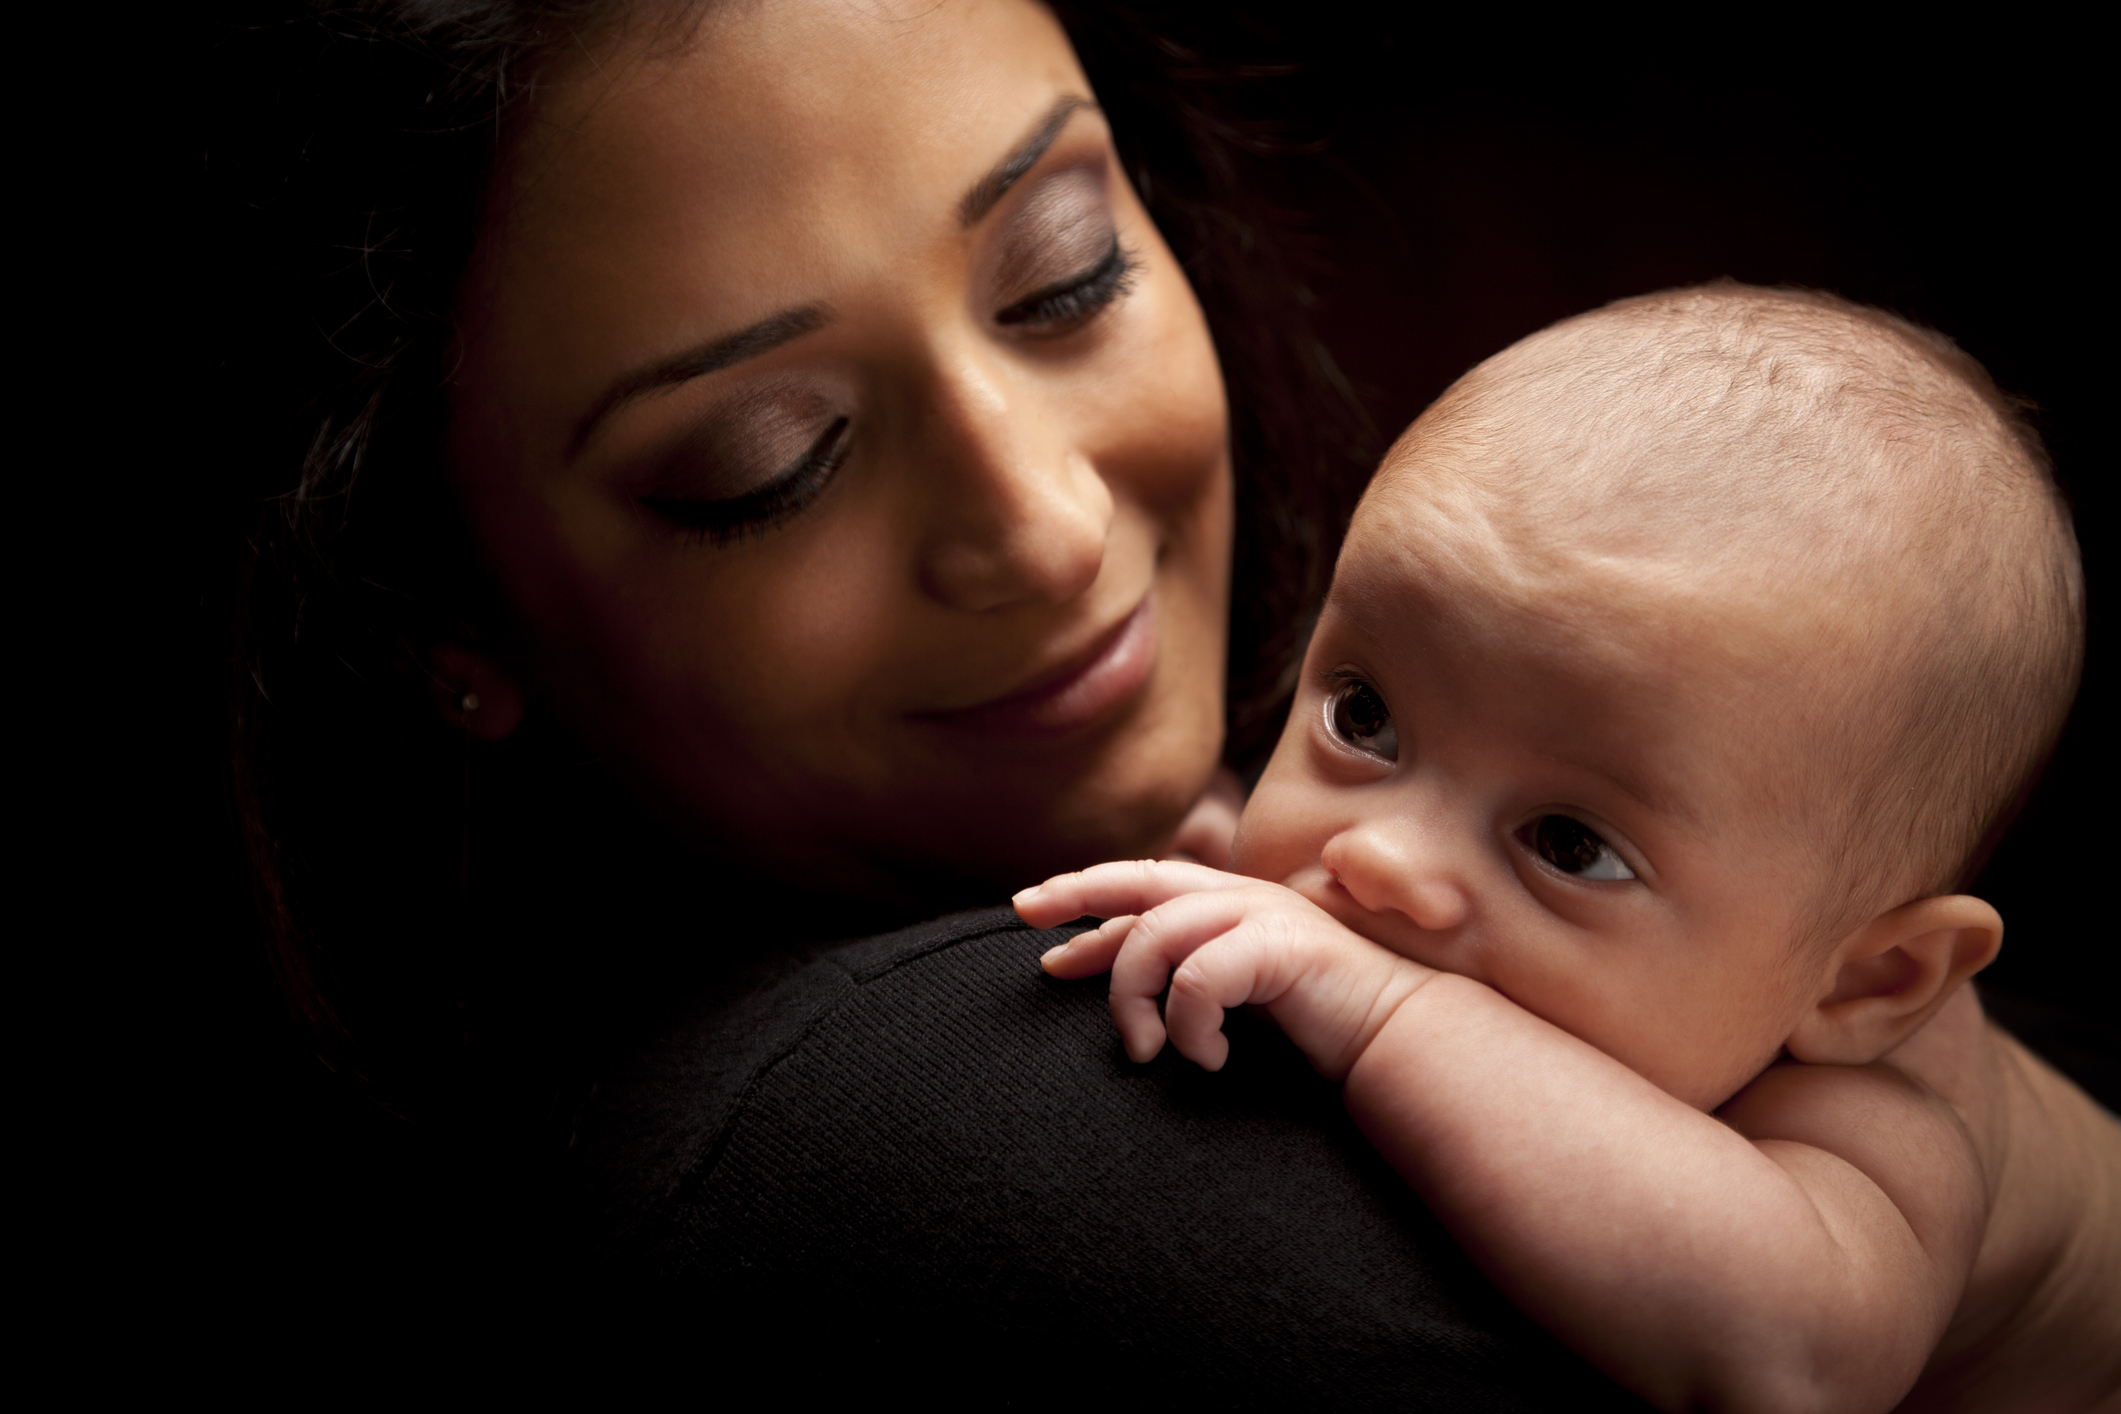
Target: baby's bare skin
column 2042, row 1296
column 1536, row 874
column 1946, row 1217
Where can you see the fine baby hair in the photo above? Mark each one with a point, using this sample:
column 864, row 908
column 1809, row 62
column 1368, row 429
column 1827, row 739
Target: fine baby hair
column 1861, row 470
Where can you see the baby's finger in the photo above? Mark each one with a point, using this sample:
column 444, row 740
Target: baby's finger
column 1122, row 887
column 1203, row 989
column 1156, row 943
column 1140, row 1026
column 1251, row 961
column 1087, row 954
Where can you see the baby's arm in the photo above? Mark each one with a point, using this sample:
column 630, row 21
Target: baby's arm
column 1808, row 1257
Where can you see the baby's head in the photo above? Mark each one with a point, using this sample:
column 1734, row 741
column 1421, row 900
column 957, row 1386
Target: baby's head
column 1680, row 663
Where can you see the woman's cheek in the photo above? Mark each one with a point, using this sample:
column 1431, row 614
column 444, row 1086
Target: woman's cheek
column 1168, row 424
column 783, row 638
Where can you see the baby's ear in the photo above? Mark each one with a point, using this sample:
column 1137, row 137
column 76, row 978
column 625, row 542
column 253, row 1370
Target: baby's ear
column 1886, row 978
column 473, row 692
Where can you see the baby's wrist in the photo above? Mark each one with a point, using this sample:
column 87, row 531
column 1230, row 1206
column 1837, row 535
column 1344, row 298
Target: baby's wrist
column 1399, row 1023
column 1404, row 979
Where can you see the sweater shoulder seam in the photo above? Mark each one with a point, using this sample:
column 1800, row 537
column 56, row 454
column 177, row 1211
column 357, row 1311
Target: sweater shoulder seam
column 698, row 1173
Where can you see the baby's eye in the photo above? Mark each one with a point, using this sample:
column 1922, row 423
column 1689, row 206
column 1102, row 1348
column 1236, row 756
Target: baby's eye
column 1574, row 848
column 1358, row 716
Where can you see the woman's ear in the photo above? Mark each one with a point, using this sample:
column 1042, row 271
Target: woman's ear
column 473, row 692
column 1886, row 978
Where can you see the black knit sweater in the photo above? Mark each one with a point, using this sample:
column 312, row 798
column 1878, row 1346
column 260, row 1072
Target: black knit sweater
column 917, row 1160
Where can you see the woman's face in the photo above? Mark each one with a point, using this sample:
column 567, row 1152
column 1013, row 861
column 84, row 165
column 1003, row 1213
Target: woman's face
column 850, row 447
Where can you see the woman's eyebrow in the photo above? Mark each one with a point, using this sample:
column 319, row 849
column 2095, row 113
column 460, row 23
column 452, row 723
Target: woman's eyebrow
column 995, row 185
column 769, row 333
column 777, row 329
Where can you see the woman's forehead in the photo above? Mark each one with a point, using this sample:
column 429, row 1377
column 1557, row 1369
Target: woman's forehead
column 781, row 122
column 784, row 156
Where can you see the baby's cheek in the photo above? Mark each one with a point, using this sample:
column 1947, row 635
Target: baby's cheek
column 1248, row 845
column 1708, row 1061
column 1272, row 839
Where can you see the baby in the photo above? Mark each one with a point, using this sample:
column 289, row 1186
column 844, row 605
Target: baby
column 1681, row 662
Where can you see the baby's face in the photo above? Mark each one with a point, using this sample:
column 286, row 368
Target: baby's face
column 1564, row 774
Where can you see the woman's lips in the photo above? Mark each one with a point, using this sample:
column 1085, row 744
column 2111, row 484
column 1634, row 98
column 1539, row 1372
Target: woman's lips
column 1076, row 694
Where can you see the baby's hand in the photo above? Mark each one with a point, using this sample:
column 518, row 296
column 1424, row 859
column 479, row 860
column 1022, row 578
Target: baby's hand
column 1221, row 940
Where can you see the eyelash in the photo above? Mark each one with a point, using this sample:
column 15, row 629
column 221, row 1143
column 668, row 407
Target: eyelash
column 735, row 518
column 1359, row 720
column 1605, row 857
column 1076, row 299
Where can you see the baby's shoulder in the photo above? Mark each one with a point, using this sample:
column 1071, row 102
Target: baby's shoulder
column 1927, row 1123
column 1880, row 1117
column 1945, row 1076
column 2035, row 1328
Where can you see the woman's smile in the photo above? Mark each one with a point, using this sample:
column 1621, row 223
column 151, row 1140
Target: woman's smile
column 1084, row 692
column 854, row 503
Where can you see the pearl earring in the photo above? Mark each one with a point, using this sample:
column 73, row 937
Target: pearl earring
column 468, row 703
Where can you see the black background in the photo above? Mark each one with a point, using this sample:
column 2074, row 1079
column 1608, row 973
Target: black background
column 1473, row 185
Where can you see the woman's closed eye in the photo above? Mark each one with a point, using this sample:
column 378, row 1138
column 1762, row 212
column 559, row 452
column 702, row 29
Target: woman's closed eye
column 753, row 465
column 1058, row 258
column 1072, row 302
column 1574, row 848
column 1357, row 715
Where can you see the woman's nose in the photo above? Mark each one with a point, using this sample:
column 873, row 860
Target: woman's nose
column 1398, row 867
column 1016, row 512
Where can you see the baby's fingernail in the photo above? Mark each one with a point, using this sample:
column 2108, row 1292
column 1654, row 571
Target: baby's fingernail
column 1023, row 896
column 1050, row 956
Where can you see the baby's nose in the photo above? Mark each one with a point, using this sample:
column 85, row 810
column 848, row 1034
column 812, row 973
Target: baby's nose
column 1397, row 868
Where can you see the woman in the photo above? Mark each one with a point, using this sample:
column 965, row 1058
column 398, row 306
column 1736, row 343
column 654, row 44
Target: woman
column 794, row 469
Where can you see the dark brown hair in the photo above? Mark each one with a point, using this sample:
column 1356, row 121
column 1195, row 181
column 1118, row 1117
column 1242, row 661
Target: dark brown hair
column 406, row 876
